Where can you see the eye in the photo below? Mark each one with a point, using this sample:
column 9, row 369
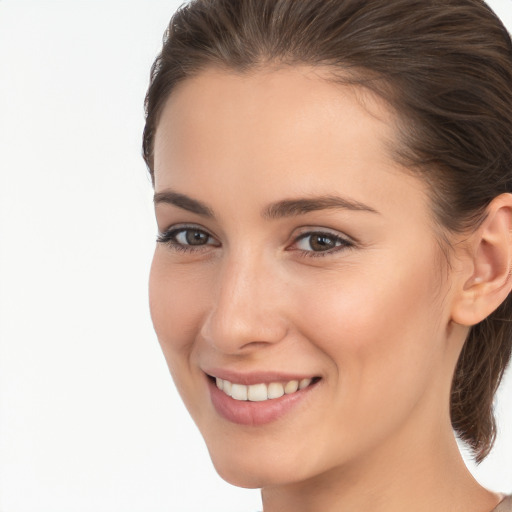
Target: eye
column 321, row 243
column 187, row 238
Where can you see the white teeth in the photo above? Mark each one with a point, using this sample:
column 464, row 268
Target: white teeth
column 304, row 383
column 257, row 393
column 239, row 392
column 291, row 387
column 260, row 392
column 226, row 387
column 275, row 390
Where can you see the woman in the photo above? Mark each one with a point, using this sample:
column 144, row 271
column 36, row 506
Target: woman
column 331, row 282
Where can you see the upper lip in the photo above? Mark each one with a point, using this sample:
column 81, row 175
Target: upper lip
column 256, row 377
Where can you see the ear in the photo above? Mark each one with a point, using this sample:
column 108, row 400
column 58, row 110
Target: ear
column 488, row 279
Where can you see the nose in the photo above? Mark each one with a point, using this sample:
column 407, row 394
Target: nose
column 247, row 309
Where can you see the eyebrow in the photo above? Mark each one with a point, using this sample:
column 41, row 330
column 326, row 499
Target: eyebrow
column 291, row 207
column 184, row 202
column 285, row 208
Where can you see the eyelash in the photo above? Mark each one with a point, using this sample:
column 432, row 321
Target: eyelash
column 169, row 238
column 340, row 244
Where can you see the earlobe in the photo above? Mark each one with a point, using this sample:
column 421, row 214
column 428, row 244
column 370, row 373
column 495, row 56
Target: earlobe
column 490, row 259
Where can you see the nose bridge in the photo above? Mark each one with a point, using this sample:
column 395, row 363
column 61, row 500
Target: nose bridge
column 246, row 303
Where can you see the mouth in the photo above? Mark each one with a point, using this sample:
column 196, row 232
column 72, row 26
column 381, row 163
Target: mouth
column 262, row 392
column 260, row 398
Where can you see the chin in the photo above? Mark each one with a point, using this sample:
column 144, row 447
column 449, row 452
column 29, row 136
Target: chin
column 241, row 478
column 248, row 475
column 237, row 467
column 258, row 468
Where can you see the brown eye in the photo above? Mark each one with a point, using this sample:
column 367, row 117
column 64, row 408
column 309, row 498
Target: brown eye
column 321, row 243
column 187, row 238
column 194, row 237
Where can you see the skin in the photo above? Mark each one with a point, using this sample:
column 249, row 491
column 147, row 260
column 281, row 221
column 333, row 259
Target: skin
column 372, row 317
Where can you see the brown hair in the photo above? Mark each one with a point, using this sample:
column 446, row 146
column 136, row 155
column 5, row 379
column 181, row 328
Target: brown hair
column 445, row 66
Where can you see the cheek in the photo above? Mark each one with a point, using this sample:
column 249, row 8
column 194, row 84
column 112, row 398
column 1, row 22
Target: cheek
column 176, row 298
column 382, row 336
column 379, row 325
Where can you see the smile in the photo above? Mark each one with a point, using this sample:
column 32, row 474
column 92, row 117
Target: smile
column 255, row 399
column 261, row 392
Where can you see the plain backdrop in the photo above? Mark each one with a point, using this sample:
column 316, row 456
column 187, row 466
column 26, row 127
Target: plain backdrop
column 89, row 418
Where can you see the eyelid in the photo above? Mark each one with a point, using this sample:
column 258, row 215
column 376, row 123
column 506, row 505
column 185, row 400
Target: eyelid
column 320, row 230
column 184, row 226
column 166, row 237
column 347, row 242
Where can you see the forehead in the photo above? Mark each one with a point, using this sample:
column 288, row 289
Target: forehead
column 274, row 134
column 270, row 108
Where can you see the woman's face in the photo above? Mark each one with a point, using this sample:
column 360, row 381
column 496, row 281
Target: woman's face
column 293, row 248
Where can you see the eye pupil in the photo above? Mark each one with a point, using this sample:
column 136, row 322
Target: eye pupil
column 196, row 237
column 321, row 242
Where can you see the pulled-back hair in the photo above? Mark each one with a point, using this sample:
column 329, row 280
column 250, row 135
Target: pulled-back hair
column 443, row 66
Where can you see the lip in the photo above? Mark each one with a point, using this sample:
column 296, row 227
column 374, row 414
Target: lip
column 255, row 413
column 250, row 378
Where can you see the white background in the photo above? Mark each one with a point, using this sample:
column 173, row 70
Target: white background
column 89, row 418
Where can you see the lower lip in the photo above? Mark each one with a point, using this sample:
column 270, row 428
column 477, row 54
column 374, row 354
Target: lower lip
column 244, row 412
